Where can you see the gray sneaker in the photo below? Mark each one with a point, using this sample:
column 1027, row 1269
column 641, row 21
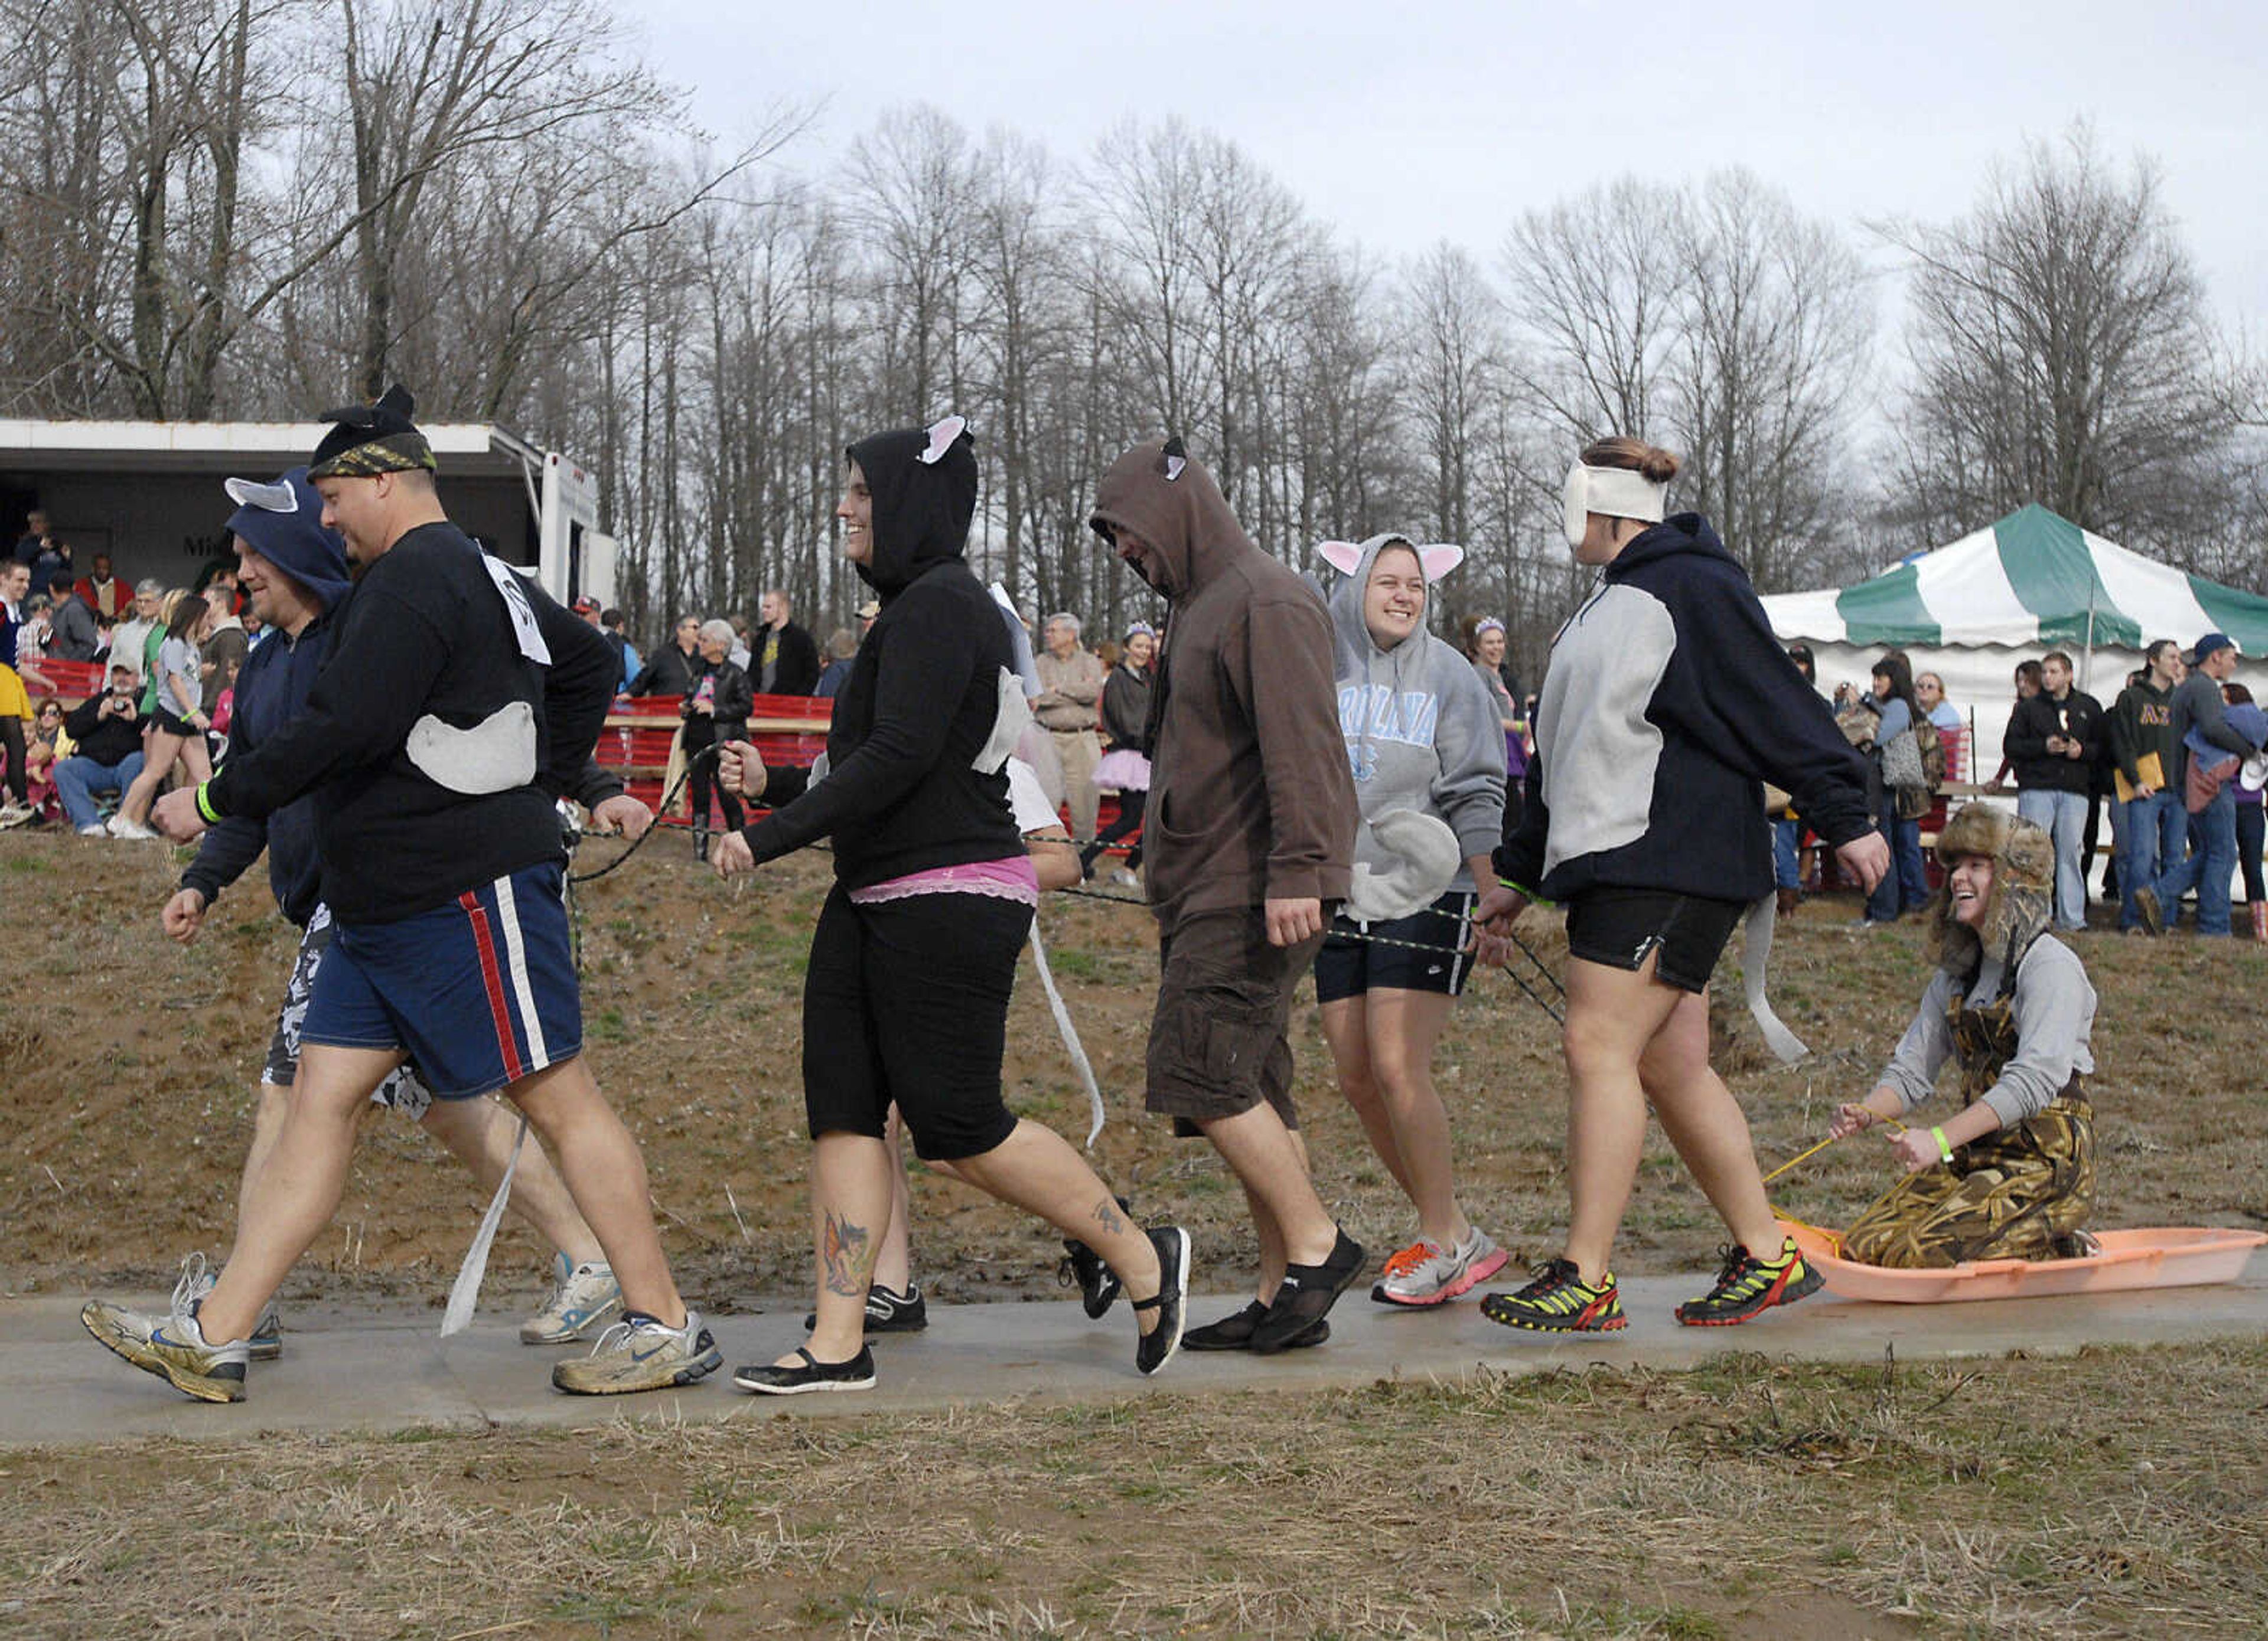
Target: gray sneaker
column 1426, row 1273
column 198, row 1280
column 173, row 1347
column 638, row 1353
column 582, row 1297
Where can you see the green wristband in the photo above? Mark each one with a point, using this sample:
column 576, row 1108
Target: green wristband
column 205, row 806
column 1944, row 1149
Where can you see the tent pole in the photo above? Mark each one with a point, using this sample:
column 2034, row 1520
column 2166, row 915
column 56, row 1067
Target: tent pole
column 2089, row 685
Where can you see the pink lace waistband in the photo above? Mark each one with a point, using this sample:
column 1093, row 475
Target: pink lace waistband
column 1013, row 878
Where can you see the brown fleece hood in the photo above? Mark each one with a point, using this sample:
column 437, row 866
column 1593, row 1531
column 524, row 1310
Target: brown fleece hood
column 1172, row 503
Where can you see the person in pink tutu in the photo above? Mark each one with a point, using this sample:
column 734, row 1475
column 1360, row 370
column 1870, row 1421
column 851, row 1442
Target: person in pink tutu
column 1126, row 768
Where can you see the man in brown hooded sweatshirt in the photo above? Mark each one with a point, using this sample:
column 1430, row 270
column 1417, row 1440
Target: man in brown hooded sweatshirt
column 1249, row 833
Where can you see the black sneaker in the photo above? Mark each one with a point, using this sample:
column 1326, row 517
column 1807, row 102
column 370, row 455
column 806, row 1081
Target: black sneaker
column 1560, row 1301
column 888, row 1311
column 1081, row 1266
column 768, row 1379
column 1747, row 1287
column 1306, row 1296
column 1234, row 1332
column 1153, row 1350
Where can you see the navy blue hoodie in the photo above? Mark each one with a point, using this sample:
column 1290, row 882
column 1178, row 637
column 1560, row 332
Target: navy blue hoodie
column 270, row 691
column 1667, row 702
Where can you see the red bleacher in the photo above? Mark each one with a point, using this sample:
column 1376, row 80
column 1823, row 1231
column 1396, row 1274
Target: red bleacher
column 784, row 729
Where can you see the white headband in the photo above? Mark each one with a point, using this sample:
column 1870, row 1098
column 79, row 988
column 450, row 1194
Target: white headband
column 1617, row 492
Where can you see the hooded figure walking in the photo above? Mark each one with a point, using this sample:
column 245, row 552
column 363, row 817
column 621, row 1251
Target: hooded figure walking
column 1249, row 836
column 905, row 998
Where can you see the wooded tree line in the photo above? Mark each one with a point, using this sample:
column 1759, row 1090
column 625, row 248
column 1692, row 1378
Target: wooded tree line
column 252, row 208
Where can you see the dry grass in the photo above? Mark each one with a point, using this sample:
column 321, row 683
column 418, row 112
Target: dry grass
column 1747, row 1499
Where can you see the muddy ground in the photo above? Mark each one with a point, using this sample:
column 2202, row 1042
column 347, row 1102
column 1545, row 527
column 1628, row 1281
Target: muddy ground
column 127, row 1066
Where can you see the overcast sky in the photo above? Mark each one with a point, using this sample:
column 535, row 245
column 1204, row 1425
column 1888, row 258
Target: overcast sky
column 1405, row 123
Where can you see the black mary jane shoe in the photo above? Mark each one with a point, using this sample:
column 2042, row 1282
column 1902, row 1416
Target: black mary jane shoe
column 1153, row 1350
column 769, row 1379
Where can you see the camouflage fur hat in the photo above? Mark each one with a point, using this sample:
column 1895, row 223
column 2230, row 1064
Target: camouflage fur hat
column 2022, row 903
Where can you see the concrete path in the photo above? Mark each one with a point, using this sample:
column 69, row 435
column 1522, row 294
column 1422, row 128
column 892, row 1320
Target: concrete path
column 389, row 1370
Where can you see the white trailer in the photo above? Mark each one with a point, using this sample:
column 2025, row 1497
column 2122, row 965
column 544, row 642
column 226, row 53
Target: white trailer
column 149, row 494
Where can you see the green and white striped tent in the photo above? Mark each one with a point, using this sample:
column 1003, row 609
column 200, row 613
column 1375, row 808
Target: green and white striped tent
column 2033, row 582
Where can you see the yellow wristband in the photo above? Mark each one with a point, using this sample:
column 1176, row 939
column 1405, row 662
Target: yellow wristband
column 1944, row 1150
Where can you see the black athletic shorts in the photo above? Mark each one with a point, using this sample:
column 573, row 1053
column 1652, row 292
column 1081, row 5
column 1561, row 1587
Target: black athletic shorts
column 906, row 1002
column 1618, row 927
column 1347, row 965
column 173, row 723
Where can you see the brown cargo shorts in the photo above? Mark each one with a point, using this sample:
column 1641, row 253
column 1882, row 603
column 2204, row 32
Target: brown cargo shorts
column 1218, row 1046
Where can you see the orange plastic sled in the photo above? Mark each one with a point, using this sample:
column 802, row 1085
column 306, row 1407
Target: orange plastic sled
column 2176, row 1256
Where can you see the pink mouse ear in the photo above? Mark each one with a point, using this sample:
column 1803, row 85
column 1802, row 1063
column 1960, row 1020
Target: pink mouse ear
column 1340, row 555
column 1439, row 559
column 941, row 439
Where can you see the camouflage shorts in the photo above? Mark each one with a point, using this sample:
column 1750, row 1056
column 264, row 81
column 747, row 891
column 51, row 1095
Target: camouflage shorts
column 2019, row 1193
column 402, row 1091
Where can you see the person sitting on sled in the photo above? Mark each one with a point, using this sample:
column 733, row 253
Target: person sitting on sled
column 2011, row 1175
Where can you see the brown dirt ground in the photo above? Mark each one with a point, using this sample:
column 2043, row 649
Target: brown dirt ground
column 128, row 1064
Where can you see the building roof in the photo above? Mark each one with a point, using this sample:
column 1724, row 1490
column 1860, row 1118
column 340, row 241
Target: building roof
column 465, row 448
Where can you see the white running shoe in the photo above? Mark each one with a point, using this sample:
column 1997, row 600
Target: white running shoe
column 640, row 1353
column 14, row 815
column 1426, row 1273
column 582, row 1297
column 119, row 825
column 198, row 1280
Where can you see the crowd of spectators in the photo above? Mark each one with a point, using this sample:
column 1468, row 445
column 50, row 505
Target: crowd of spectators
column 2176, row 762
column 168, row 658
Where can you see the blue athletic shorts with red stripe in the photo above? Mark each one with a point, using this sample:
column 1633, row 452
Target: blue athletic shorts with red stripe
column 480, row 993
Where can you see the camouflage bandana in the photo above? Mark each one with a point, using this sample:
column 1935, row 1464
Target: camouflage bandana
column 373, row 439
column 389, row 452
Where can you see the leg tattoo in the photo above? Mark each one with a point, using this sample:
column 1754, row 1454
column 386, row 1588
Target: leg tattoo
column 846, row 1255
column 1107, row 1216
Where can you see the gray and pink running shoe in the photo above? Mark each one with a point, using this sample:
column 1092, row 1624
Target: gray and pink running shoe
column 1426, row 1273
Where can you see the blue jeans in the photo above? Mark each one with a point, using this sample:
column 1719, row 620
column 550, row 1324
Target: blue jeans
column 78, row 779
column 1787, row 870
column 2208, row 868
column 2063, row 817
column 2154, row 833
column 1905, row 886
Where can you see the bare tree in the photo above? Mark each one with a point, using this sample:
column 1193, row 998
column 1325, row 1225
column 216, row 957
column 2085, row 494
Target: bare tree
column 2062, row 354
column 1593, row 286
column 1773, row 333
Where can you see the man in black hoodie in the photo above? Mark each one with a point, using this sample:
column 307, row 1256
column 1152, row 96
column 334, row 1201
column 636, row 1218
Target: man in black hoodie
column 2153, row 823
column 435, row 743
column 295, row 573
column 906, row 993
column 2054, row 740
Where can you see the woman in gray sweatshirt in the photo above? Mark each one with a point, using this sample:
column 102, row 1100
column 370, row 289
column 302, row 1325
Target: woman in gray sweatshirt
column 1425, row 747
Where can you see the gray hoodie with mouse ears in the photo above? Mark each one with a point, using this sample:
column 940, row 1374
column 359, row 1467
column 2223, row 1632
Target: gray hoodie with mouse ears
column 1421, row 732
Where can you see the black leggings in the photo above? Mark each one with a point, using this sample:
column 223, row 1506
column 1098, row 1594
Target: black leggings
column 1131, row 806
column 906, row 1002
column 11, row 738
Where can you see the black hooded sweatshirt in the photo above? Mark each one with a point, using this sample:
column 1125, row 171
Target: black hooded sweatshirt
column 902, row 794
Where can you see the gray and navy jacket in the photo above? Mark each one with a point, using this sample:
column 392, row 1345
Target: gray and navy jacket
column 1667, row 702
